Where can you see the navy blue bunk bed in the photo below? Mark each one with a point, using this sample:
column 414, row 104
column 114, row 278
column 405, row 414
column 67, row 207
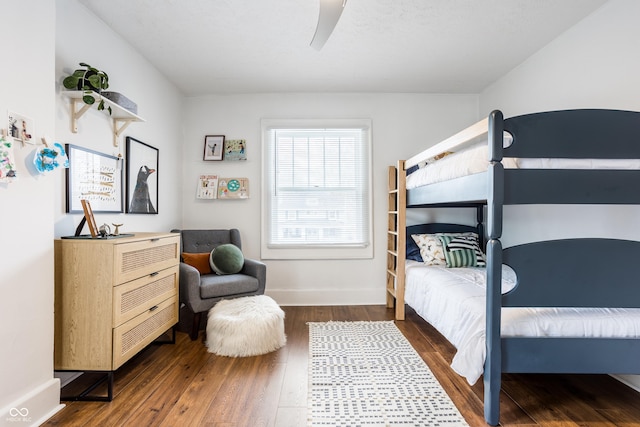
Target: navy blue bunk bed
column 554, row 273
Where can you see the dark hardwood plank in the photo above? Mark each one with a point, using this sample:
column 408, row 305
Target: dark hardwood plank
column 183, row 384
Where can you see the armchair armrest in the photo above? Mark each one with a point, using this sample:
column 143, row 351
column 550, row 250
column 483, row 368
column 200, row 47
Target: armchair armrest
column 189, row 284
column 257, row 269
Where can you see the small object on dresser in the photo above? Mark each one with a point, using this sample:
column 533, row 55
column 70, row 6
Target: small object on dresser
column 116, row 232
column 104, row 230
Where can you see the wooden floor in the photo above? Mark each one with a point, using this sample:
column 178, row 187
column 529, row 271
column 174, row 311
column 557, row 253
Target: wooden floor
column 184, row 385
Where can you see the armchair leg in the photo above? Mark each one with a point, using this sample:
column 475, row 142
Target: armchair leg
column 195, row 328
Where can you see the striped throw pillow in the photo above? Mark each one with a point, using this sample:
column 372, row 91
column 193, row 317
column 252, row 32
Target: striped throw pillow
column 462, row 251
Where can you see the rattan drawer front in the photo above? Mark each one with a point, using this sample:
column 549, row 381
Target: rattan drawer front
column 137, row 296
column 133, row 336
column 137, row 259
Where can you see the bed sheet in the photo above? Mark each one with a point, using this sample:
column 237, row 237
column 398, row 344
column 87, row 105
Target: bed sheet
column 473, row 160
column 453, row 301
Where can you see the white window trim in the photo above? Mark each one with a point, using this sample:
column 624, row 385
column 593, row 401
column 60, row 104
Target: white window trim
column 364, row 252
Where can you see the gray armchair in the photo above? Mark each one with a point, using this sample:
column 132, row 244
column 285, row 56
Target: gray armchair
column 201, row 292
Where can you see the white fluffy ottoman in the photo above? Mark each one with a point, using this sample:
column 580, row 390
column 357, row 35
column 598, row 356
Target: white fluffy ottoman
column 246, row 326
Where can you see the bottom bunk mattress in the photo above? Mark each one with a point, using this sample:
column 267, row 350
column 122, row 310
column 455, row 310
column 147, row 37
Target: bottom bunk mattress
column 453, row 301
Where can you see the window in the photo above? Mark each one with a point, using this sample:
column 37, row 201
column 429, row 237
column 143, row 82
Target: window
column 317, row 189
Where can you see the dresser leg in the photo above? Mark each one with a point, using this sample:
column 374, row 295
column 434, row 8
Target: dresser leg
column 85, row 394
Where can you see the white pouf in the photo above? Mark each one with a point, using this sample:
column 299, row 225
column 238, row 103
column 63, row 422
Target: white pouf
column 246, row 326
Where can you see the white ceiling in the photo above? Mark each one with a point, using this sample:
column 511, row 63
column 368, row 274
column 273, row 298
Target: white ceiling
column 254, row 46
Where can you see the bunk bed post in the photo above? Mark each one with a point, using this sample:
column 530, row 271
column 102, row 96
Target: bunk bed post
column 495, row 202
column 493, row 361
column 480, row 224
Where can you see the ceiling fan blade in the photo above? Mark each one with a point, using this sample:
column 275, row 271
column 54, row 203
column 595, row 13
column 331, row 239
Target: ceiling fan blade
column 330, row 11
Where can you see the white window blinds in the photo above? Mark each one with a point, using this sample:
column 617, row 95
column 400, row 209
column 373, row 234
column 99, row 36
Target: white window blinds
column 317, row 193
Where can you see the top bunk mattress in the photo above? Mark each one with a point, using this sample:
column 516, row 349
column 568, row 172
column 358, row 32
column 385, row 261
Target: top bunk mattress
column 474, row 159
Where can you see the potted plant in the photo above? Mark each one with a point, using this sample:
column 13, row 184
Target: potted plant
column 89, row 80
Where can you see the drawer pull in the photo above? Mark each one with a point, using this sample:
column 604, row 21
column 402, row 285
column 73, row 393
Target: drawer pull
column 155, row 240
column 154, row 273
column 155, row 307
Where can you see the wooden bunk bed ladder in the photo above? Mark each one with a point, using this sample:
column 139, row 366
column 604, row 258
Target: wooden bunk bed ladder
column 396, row 217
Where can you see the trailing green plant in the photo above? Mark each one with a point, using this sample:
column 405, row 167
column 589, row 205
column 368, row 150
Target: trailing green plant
column 89, row 80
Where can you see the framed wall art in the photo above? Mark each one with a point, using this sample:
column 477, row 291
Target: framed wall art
column 235, row 149
column 95, row 177
column 213, row 147
column 142, row 177
column 233, row 188
column 207, row 187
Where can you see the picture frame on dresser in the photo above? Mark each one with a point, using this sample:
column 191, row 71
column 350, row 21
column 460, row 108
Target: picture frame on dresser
column 142, row 177
column 95, row 177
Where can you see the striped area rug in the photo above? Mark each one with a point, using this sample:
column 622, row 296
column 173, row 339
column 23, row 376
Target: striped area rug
column 368, row 374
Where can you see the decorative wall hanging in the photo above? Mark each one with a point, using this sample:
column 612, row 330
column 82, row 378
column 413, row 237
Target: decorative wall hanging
column 233, row 188
column 95, row 177
column 235, row 149
column 49, row 158
column 21, row 128
column 207, row 187
column 142, row 177
column 7, row 159
column 213, row 147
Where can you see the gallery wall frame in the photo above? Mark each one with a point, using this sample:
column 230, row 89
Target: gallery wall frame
column 213, row 147
column 233, row 188
column 235, row 149
column 142, row 177
column 95, row 177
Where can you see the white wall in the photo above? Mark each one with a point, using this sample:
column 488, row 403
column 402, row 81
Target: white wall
column 26, row 217
column 159, row 104
column 43, row 41
column 402, row 125
column 593, row 65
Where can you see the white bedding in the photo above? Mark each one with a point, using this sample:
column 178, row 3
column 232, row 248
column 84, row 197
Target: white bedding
column 473, row 160
column 453, row 301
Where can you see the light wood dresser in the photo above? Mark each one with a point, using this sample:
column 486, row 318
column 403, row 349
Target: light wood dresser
column 113, row 297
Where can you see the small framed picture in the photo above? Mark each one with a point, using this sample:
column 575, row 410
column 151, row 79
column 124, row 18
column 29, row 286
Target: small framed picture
column 235, row 149
column 213, row 147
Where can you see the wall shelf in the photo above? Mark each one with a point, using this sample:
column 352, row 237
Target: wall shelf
column 120, row 116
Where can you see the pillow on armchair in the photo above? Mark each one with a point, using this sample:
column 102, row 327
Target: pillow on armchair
column 199, row 261
column 226, row 259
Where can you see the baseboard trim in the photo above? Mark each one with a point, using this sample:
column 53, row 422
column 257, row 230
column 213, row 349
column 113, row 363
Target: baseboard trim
column 314, row 297
column 35, row 407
